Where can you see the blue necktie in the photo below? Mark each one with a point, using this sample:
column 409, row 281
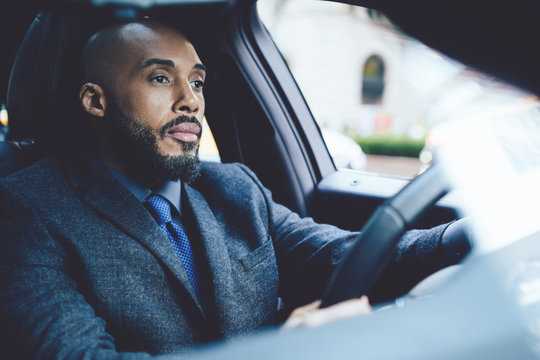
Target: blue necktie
column 161, row 211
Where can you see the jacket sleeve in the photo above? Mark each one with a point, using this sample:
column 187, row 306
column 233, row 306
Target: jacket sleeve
column 42, row 314
column 418, row 254
column 307, row 254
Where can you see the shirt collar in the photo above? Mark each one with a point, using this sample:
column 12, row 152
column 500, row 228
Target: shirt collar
column 170, row 190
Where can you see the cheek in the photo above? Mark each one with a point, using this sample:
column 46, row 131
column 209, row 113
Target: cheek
column 149, row 109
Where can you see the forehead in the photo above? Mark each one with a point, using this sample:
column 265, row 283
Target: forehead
column 141, row 42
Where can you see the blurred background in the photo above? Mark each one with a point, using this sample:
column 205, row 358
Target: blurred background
column 380, row 97
column 385, row 91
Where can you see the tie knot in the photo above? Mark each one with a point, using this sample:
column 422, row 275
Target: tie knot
column 159, row 208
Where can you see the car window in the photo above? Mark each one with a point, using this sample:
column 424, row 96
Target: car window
column 208, row 150
column 378, row 95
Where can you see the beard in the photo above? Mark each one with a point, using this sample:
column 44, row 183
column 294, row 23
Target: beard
column 136, row 145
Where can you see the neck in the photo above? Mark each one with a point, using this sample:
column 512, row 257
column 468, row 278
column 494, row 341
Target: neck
column 140, row 174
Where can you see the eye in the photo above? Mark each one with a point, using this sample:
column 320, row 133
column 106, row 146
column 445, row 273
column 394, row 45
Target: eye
column 161, row 79
column 198, row 84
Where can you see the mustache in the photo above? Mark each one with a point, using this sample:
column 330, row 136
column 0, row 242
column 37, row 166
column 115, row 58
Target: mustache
column 179, row 120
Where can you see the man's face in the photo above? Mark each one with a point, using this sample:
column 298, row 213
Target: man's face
column 155, row 102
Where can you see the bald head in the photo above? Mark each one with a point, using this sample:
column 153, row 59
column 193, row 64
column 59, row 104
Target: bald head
column 107, row 50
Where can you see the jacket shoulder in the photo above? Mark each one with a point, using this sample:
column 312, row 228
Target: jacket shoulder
column 228, row 174
column 231, row 180
column 38, row 175
column 227, row 169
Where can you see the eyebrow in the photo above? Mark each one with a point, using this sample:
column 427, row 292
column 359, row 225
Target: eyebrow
column 168, row 63
column 155, row 61
column 200, row 67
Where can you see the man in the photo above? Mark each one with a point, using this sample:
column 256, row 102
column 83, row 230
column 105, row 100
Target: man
column 131, row 245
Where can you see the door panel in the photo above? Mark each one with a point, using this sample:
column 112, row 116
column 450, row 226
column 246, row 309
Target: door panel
column 347, row 199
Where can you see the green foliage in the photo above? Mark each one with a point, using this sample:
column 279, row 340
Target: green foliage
column 390, row 145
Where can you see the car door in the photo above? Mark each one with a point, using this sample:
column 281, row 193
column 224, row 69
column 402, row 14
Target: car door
column 261, row 118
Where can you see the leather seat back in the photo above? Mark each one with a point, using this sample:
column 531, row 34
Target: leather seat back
column 45, row 75
column 42, row 97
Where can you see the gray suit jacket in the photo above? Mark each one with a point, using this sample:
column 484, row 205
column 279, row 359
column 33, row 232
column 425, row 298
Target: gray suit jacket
column 86, row 271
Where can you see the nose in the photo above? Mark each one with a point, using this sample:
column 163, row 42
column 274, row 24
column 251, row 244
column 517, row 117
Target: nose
column 187, row 101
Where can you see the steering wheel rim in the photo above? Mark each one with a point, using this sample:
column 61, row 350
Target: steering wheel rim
column 373, row 248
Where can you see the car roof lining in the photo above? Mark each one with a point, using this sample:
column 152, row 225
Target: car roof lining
column 495, row 37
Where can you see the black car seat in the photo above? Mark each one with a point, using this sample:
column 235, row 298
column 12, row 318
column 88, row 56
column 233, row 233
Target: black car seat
column 41, row 91
column 42, row 97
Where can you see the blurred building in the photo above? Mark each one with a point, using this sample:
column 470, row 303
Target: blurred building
column 369, row 77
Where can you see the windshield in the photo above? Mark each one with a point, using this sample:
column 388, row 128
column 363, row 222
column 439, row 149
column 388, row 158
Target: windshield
column 492, row 155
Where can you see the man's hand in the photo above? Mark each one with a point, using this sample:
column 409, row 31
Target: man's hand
column 312, row 315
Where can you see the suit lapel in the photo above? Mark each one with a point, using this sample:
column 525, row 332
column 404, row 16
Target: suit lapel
column 109, row 198
column 214, row 251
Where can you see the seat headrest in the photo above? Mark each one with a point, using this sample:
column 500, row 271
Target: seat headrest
column 44, row 81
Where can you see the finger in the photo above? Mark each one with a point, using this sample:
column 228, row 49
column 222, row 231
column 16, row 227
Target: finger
column 340, row 311
column 296, row 319
column 306, row 309
column 311, row 315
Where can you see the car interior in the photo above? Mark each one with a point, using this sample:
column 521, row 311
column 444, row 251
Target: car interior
column 255, row 109
column 257, row 114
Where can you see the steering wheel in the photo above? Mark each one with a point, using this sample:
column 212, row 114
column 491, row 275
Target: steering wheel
column 374, row 247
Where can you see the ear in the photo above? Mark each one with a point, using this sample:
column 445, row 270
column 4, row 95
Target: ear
column 92, row 99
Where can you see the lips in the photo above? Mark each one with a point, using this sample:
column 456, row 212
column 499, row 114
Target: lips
column 186, row 132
